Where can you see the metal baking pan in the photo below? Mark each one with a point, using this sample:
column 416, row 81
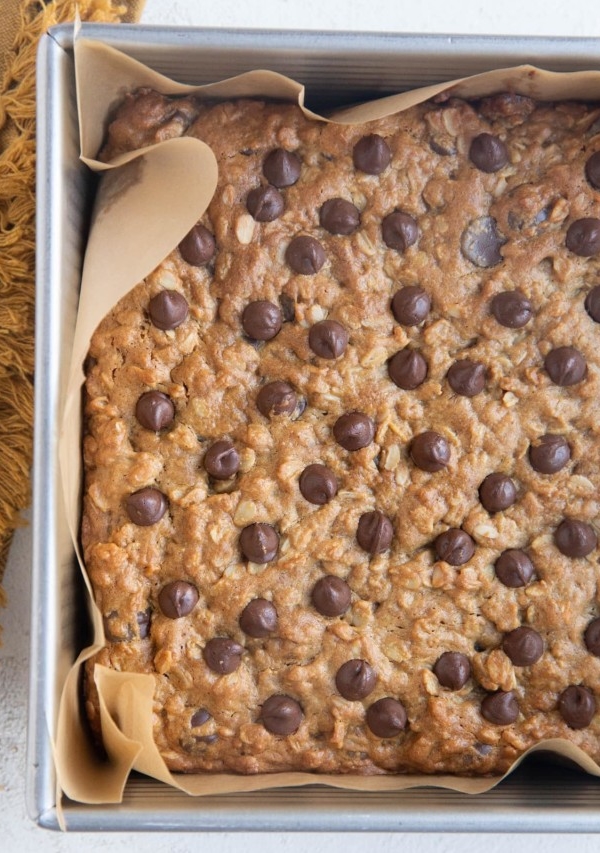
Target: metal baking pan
column 337, row 68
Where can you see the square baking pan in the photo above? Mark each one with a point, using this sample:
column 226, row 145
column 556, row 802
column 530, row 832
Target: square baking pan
column 337, row 68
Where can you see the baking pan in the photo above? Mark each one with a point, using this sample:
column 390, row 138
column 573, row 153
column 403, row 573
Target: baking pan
column 337, row 68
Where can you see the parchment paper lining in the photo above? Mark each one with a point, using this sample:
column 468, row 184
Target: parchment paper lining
column 130, row 236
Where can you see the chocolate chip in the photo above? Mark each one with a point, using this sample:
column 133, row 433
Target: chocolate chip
column 592, row 303
column 276, row 398
column 500, row 708
column 354, row 430
column 177, row 599
column 467, row 377
column 305, row 255
column 328, row 339
column 261, row 320
column 143, row 619
column 207, row 739
column 483, row 748
column 199, row 718
column 488, row 153
column 198, row 246
column 146, row 506
column 512, row 309
column 411, row 305
column 259, row 543
column 386, row 717
column 265, row 204
column 577, row 706
column 480, row 242
column 374, row 532
column 575, row 538
column 497, row 492
column 282, row 168
column 454, row 546
column 583, row 237
column 371, row 154
column 355, row 679
column 288, row 307
column 168, row 309
column 592, row 170
column 318, row 484
column 399, row 231
column 430, row 451
column 549, row 454
column 523, row 646
column 592, row 637
column 565, row 366
column 222, row 460
column 452, row 670
column 154, row 410
column 407, row 369
column 258, row 618
column 331, row 596
column 281, row 715
column 514, row 568
column 222, row 655
column 339, row 216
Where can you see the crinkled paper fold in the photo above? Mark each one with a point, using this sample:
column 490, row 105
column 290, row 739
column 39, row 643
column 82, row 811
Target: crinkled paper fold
column 147, row 201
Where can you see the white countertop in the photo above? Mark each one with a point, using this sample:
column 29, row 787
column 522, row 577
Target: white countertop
column 18, row 833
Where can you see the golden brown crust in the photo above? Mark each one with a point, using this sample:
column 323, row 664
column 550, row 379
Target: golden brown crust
column 407, row 607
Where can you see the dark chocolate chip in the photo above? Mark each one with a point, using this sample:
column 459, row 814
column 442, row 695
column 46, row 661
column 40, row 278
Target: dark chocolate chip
column 512, row 309
column 288, row 307
column 331, row 596
column 222, row 655
column 452, row 670
column 339, row 216
column 565, row 366
column 154, row 410
column 143, row 619
column 454, row 546
column 259, row 543
column 399, row 230
column 146, row 506
column 371, row 154
column 481, row 242
column 198, row 246
column 411, row 305
column 514, row 568
column 305, row 255
column 430, row 451
column 261, row 320
column 374, row 532
column 488, row 153
column 407, row 369
column 497, row 492
column 276, row 398
column 258, row 618
column 583, row 237
column 168, row 309
column 199, row 718
column 592, row 303
column 354, row 430
column 467, row 377
column 577, row 706
column 177, row 599
column 281, row 715
column 592, row 637
column 500, row 708
column 523, row 646
column 265, row 204
column 386, row 717
column 355, row 679
column 575, row 538
column 549, row 454
column 592, row 170
column 222, row 460
column 318, row 484
column 282, row 168
column 207, row 739
column 328, row 339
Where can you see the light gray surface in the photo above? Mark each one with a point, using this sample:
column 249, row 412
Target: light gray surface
column 18, row 833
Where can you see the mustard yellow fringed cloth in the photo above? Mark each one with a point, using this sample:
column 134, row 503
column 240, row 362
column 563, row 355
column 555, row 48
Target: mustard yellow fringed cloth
column 22, row 22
